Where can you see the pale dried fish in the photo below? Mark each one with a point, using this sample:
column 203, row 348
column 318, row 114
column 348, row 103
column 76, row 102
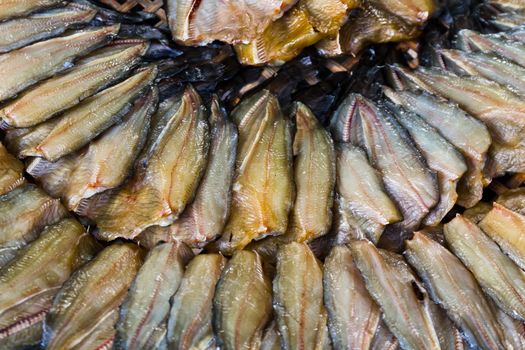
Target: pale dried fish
column 24, row 140
column 384, row 339
column 11, row 171
column 412, row 11
column 10, row 8
column 271, row 339
column 513, row 199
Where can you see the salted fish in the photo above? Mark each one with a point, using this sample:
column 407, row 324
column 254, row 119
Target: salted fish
column 22, row 142
column 10, row 8
column 11, row 171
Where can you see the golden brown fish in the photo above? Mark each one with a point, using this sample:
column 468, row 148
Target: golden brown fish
column 11, row 171
column 15, row 8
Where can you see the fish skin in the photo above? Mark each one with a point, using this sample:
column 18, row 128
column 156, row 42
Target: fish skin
column 32, row 63
column 167, row 176
column 314, row 174
column 467, row 134
column 453, row 287
column 298, row 298
column 21, row 142
column 11, row 171
column 82, row 81
column 271, row 339
column 406, row 316
column 513, row 199
column 353, row 316
column 384, row 339
column 28, row 291
column 413, row 12
column 93, row 116
column 441, row 157
column 263, row 188
column 25, row 211
column 204, row 219
column 9, row 8
column 190, row 318
column 406, row 177
column 242, row 304
column 497, row 275
column 20, row 32
column 477, row 212
column 507, row 229
column 146, row 307
column 76, row 307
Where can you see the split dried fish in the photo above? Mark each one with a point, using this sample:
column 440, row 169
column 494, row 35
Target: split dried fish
column 271, row 339
column 170, row 169
column 82, row 319
column 392, row 287
column 30, row 281
column 353, row 316
column 86, row 78
column 513, row 199
column 499, row 277
column 298, row 298
column 11, row 171
column 25, row 211
column 243, row 302
column 38, row 61
column 477, row 212
column 20, row 32
column 466, row 133
column 263, row 187
column 412, row 11
column 506, row 228
column 190, row 320
column 454, row 287
column 10, row 8
column 384, row 339
column 144, row 312
column 22, row 142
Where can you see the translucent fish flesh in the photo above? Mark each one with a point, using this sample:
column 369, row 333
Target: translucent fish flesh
column 10, row 8
column 11, row 171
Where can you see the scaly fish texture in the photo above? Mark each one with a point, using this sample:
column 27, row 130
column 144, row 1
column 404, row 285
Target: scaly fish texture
column 497, row 274
column 453, row 287
column 81, row 318
column 35, row 62
column 32, row 279
column 190, row 318
column 10, row 8
column 144, row 312
column 242, row 304
column 11, row 171
column 353, row 316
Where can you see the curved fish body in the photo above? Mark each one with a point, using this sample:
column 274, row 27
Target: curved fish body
column 171, row 166
column 20, row 32
column 204, row 219
column 35, row 62
column 263, row 188
column 242, row 304
column 60, row 93
column 86, row 121
column 81, row 318
column 393, row 289
column 24, row 212
column 298, row 298
column 103, row 165
column 441, row 157
column 21, row 142
column 506, row 228
column 10, row 8
column 30, row 281
column 497, row 274
column 362, row 198
column 11, row 171
column 406, row 178
column 145, row 310
column 353, row 316
column 190, row 318
column 454, row 288
column 314, row 174
column 467, row 134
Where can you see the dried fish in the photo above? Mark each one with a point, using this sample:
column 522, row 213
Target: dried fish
column 314, row 174
column 172, row 164
column 441, row 157
column 30, row 282
column 412, row 11
column 513, row 199
column 25, row 211
column 506, row 228
column 9, row 8
column 82, row 319
column 263, row 188
column 144, row 312
column 448, row 335
column 24, row 140
column 11, row 171
column 353, row 317
column 20, row 32
column 392, row 286
column 454, row 287
column 509, row 4
column 271, row 339
column 243, row 302
column 506, row 21
column 38, row 61
column 477, row 212
column 89, row 76
column 499, row 277
column 298, row 298
column 466, row 133
column 384, row 339
column 190, row 322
